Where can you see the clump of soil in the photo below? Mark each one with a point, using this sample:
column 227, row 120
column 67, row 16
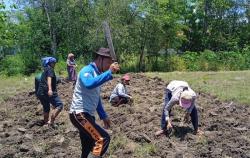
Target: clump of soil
column 226, row 126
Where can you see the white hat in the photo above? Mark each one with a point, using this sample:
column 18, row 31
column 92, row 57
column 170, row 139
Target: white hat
column 186, row 98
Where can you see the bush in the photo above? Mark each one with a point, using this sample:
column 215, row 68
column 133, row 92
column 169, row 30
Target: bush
column 232, row 60
column 208, row 61
column 129, row 62
column 31, row 63
column 13, row 65
column 246, row 56
column 27, row 62
column 191, row 60
column 176, row 63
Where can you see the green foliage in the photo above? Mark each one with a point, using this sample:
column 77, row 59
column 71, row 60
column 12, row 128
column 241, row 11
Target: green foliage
column 145, row 150
column 31, row 63
column 12, row 65
column 246, row 55
column 119, row 142
column 140, row 29
column 129, row 63
column 21, row 63
column 176, row 63
column 233, row 60
column 191, row 60
column 208, row 61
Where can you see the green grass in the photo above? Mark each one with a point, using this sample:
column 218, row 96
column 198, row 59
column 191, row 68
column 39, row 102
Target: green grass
column 118, row 142
column 10, row 86
column 226, row 85
column 145, row 150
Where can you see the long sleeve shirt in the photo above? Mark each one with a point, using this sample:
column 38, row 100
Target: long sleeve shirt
column 119, row 90
column 86, row 97
column 176, row 88
column 70, row 62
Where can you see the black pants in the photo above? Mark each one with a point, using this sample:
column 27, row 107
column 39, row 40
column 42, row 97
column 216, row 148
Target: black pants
column 116, row 101
column 93, row 138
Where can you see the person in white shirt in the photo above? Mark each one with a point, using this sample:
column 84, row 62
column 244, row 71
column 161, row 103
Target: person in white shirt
column 179, row 92
column 120, row 93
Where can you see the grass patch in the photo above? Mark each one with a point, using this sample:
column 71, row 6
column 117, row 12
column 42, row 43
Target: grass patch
column 145, row 150
column 202, row 141
column 227, row 85
column 118, row 142
column 10, row 86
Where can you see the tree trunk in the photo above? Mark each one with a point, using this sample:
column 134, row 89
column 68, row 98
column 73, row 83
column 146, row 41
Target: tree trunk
column 205, row 23
column 142, row 48
column 51, row 29
column 141, row 58
column 248, row 10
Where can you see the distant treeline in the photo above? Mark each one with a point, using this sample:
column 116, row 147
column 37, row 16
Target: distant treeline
column 188, row 61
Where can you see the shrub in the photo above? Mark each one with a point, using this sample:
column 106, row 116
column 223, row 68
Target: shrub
column 13, row 65
column 31, row 63
column 191, row 60
column 176, row 63
column 208, row 61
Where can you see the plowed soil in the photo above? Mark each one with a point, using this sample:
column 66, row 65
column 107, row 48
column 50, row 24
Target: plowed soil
column 226, row 126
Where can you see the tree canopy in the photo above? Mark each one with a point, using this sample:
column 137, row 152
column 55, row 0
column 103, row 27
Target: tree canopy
column 152, row 27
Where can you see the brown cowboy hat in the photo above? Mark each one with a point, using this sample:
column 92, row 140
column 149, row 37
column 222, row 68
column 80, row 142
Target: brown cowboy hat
column 105, row 52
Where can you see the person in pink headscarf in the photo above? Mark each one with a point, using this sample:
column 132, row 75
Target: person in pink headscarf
column 120, row 93
column 71, row 65
column 179, row 92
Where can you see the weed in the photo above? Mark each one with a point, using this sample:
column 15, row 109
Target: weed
column 145, row 150
column 118, row 142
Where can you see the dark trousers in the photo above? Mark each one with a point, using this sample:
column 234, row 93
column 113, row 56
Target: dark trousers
column 55, row 100
column 116, row 101
column 163, row 117
column 93, row 138
column 194, row 115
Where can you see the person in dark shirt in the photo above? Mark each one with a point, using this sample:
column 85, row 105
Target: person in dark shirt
column 47, row 91
column 38, row 80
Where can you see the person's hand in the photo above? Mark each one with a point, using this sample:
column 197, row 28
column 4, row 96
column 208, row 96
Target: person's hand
column 114, row 67
column 169, row 125
column 50, row 93
column 107, row 123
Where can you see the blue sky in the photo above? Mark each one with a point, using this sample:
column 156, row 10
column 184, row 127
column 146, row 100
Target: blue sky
column 7, row 3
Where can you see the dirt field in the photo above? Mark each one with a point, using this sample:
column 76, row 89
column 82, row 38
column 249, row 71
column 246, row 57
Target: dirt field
column 226, row 126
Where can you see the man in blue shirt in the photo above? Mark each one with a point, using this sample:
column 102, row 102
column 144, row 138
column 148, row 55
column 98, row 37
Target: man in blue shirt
column 86, row 100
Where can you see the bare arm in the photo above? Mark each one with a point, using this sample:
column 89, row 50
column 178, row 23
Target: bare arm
column 49, row 79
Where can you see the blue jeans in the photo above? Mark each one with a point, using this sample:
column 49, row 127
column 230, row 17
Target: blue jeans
column 194, row 115
column 54, row 100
